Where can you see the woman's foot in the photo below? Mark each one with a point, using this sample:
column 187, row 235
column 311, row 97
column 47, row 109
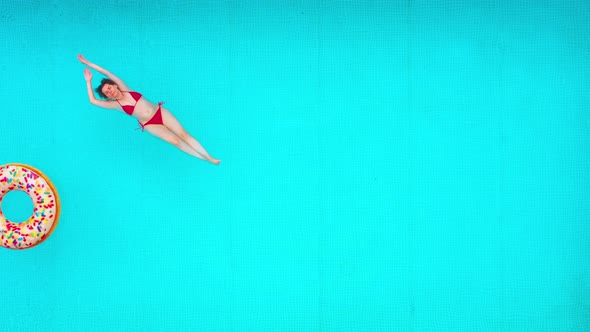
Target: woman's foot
column 215, row 161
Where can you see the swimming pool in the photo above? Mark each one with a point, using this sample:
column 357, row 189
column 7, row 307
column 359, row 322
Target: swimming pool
column 386, row 166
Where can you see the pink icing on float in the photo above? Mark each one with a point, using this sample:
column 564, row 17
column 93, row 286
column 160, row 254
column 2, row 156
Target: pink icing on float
column 45, row 215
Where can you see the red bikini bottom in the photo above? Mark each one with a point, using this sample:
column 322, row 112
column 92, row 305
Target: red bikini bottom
column 155, row 120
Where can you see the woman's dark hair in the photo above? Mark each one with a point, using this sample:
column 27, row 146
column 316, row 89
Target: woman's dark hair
column 102, row 83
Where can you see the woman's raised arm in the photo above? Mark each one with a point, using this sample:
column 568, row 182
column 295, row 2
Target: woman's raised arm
column 122, row 86
column 101, row 103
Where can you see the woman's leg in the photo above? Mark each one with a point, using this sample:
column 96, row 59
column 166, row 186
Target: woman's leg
column 165, row 134
column 174, row 125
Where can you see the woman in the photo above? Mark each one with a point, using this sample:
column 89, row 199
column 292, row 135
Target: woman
column 152, row 118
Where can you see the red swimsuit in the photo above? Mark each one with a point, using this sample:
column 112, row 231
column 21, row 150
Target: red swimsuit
column 155, row 120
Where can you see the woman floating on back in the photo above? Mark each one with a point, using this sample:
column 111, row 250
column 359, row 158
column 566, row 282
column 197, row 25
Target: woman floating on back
column 153, row 118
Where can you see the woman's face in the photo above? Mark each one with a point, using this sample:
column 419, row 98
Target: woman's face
column 111, row 91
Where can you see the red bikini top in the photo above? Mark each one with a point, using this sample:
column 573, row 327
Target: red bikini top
column 130, row 108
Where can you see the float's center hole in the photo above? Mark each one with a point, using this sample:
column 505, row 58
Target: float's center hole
column 17, row 206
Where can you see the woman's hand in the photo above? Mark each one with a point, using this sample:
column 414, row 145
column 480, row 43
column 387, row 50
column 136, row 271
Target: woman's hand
column 87, row 74
column 83, row 59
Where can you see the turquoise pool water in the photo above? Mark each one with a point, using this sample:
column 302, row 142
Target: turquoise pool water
column 387, row 166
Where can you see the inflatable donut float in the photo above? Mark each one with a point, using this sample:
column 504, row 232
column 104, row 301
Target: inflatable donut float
column 46, row 206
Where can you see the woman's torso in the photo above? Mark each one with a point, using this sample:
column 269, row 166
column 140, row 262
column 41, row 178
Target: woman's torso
column 143, row 109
